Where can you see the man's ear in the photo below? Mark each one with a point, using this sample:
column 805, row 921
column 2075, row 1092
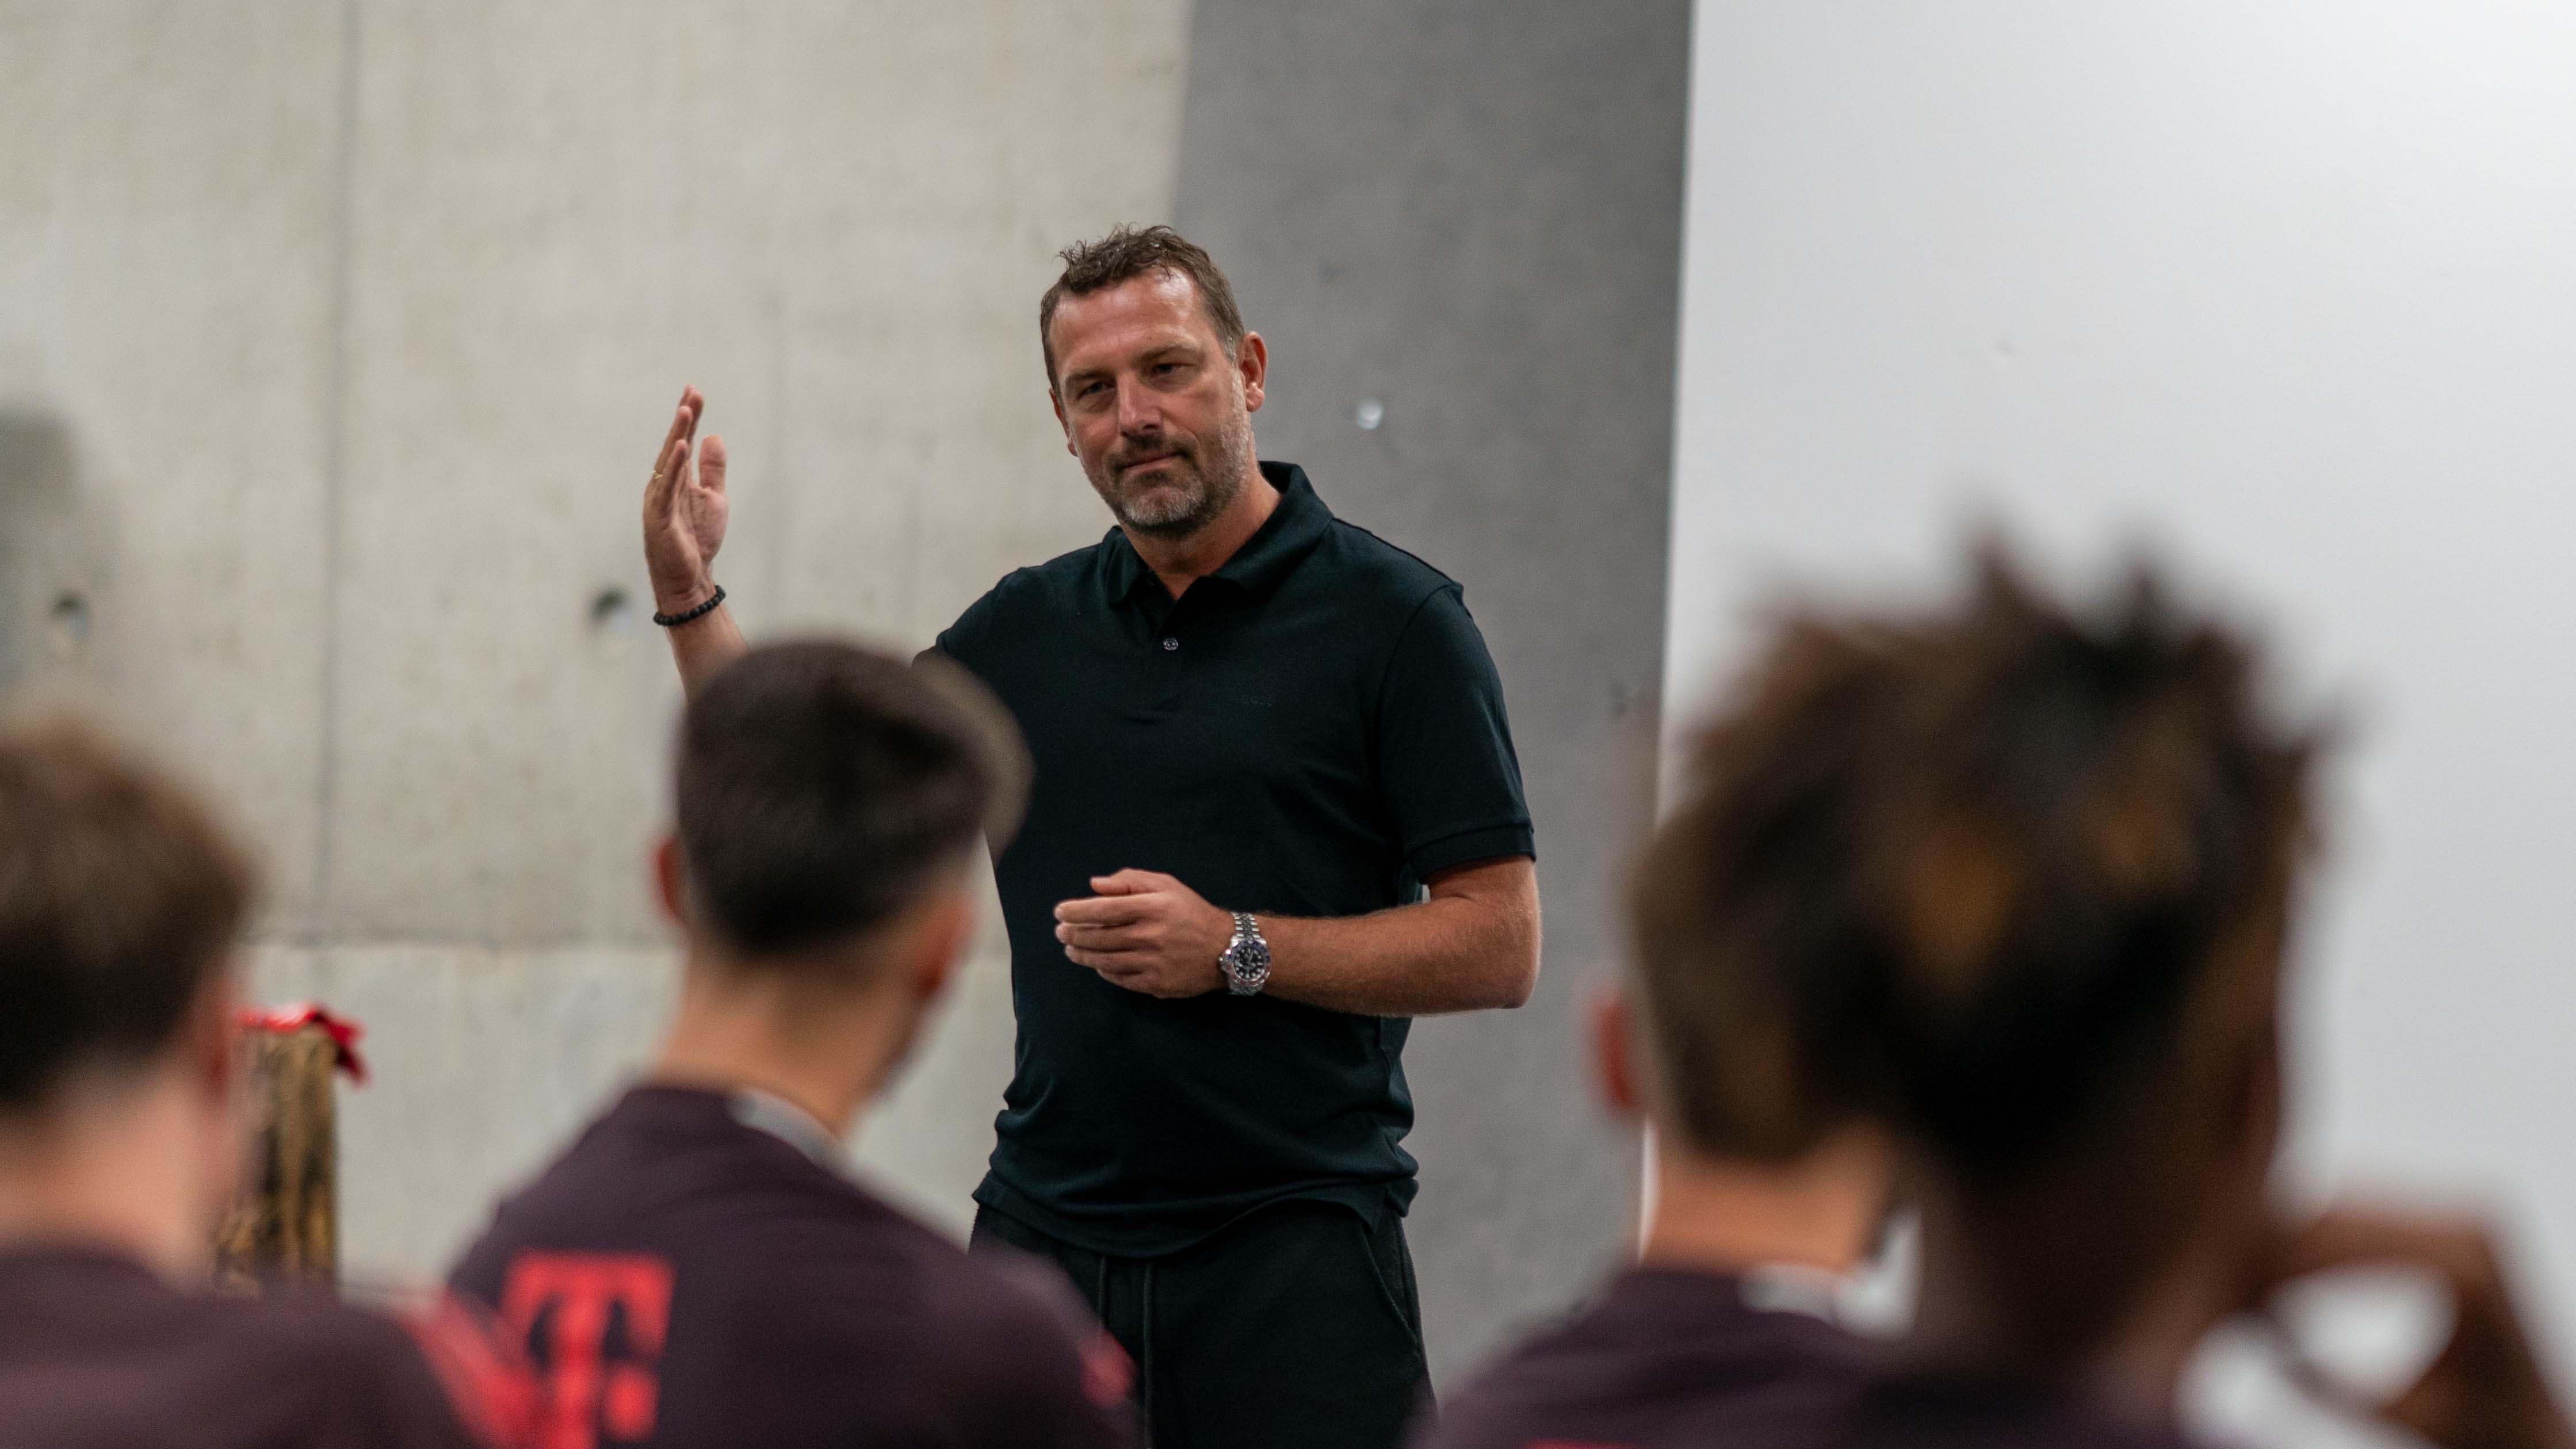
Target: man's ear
column 215, row 1060
column 212, row 1038
column 1252, row 360
column 671, row 880
column 947, row 929
column 1614, row 1048
column 1055, row 400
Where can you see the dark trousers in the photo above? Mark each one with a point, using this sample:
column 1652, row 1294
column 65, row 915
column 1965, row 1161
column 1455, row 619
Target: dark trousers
column 1295, row 1325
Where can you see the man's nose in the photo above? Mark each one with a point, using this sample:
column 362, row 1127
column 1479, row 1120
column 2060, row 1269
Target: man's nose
column 1138, row 413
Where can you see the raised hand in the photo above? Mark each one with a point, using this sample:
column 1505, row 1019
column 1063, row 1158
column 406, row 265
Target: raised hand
column 684, row 512
column 684, row 525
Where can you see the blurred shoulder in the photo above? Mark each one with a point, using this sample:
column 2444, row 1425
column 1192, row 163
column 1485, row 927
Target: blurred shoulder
column 1023, row 1361
column 421, row 1374
column 1513, row 1398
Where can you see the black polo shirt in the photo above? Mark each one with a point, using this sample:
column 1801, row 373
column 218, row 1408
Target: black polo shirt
column 1312, row 730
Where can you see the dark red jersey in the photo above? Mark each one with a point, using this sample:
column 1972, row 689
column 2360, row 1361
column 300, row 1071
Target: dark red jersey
column 96, row 1350
column 1666, row 1359
column 690, row 1273
column 1911, row 1410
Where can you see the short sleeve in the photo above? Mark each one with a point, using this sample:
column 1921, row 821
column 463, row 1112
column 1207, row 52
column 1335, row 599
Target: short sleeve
column 953, row 642
column 1445, row 761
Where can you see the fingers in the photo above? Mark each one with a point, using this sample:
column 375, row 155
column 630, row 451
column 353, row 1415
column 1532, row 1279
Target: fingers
column 692, row 409
column 2459, row 1247
column 1131, row 882
column 1105, row 938
column 684, row 420
column 1104, row 910
column 2486, row 1387
column 673, row 460
column 711, row 464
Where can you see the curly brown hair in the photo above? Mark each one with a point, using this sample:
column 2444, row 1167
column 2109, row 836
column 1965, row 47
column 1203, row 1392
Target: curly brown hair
column 1971, row 872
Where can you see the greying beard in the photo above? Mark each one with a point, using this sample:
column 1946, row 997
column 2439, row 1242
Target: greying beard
column 1191, row 509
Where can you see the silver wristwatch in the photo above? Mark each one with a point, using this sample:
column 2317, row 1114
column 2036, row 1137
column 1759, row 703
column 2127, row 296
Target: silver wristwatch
column 1246, row 962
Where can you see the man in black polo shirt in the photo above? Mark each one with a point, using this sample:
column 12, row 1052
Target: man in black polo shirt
column 1276, row 813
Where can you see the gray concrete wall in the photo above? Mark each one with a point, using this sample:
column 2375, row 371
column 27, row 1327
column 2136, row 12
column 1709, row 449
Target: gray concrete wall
column 1470, row 213
column 335, row 338
column 335, row 334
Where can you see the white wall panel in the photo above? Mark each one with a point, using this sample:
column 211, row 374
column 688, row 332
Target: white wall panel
column 2281, row 287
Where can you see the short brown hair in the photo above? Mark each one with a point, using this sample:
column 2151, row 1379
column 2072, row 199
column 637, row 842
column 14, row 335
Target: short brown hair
column 1128, row 253
column 822, row 788
column 120, row 897
column 1965, row 871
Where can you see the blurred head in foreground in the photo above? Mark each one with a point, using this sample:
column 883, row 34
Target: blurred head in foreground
column 703, row 1241
column 121, row 901
column 122, row 1142
column 2014, row 881
column 1751, row 1167
column 830, row 802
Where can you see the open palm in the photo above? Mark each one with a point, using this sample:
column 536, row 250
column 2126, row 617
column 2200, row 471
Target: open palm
column 684, row 511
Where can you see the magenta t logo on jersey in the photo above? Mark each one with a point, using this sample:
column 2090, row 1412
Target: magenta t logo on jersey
column 591, row 1387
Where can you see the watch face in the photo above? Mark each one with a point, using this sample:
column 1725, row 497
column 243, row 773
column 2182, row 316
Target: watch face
column 1246, row 961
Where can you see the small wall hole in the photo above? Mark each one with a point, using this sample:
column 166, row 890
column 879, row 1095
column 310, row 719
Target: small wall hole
column 612, row 613
column 68, row 622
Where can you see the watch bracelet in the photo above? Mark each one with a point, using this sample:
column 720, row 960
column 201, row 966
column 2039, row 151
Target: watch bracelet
column 1239, row 982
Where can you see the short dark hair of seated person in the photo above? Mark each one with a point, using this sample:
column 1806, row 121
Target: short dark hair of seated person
column 824, row 788
column 1767, row 1193
column 700, row 1267
column 123, row 1136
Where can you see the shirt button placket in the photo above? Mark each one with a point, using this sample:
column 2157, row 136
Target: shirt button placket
column 1170, row 642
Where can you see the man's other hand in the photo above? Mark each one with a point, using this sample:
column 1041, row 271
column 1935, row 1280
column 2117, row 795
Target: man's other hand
column 684, row 512
column 1147, row 932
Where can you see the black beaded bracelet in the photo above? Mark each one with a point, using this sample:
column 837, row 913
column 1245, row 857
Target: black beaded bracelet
column 673, row 621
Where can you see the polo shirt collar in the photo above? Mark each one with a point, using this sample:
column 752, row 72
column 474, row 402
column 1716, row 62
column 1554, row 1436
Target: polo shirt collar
column 1290, row 532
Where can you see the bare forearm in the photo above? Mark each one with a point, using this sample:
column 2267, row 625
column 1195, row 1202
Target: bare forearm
column 704, row 645
column 1462, row 951
column 1473, row 945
